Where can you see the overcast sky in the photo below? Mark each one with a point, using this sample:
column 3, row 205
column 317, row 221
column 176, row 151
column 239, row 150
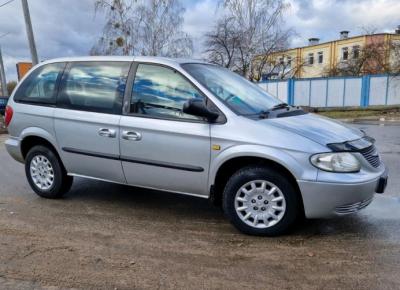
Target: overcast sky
column 70, row 27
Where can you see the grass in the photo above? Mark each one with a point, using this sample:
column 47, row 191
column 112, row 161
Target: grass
column 354, row 113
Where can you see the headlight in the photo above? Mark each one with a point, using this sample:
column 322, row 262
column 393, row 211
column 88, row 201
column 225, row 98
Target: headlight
column 336, row 162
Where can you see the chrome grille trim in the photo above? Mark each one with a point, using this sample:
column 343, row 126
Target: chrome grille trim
column 371, row 155
column 354, row 207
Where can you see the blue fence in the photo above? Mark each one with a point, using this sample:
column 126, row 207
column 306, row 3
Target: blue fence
column 362, row 91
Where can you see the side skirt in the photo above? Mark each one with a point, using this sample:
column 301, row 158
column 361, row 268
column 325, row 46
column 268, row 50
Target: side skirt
column 132, row 185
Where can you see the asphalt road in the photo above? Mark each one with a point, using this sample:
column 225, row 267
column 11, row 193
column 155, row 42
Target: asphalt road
column 106, row 236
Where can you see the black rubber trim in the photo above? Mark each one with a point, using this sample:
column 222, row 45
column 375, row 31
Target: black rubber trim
column 381, row 185
column 163, row 164
column 135, row 160
column 91, row 153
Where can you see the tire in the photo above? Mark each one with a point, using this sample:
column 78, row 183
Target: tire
column 252, row 188
column 45, row 173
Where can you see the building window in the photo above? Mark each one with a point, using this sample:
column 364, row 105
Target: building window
column 289, row 61
column 345, row 53
column 320, row 57
column 356, row 51
column 310, row 58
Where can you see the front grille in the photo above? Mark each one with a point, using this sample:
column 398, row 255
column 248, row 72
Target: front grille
column 354, row 207
column 371, row 155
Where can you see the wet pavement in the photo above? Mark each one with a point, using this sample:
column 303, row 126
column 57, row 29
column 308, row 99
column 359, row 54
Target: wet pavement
column 106, row 236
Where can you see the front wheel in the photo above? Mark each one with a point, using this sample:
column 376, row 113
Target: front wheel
column 260, row 201
column 45, row 173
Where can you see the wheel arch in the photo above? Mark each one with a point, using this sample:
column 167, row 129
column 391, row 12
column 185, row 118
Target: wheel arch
column 37, row 136
column 226, row 168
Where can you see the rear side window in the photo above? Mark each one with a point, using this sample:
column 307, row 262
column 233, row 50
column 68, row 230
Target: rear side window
column 94, row 86
column 40, row 86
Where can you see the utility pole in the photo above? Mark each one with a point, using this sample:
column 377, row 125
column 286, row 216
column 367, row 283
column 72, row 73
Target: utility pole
column 3, row 77
column 29, row 32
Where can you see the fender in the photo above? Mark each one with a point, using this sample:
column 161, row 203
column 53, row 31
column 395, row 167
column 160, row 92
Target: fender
column 39, row 132
column 274, row 154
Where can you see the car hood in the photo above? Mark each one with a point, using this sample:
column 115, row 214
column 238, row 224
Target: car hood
column 317, row 128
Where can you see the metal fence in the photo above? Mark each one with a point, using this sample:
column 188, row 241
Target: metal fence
column 362, row 91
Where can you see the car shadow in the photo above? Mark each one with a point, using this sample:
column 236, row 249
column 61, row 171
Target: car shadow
column 170, row 206
column 128, row 197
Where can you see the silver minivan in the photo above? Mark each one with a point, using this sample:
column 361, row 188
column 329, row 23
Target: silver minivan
column 193, row 128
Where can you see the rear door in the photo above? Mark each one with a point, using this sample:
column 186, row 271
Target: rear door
column 87, row 118
column 161, row 147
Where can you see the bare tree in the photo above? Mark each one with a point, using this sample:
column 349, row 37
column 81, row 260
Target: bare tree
column 247, row 30
column 373, row 58
column 368, row 29
column 120, row 30
column 394, row 58
column 222, row 43
column 11, row 86
column 143, row 27
column 282, row 66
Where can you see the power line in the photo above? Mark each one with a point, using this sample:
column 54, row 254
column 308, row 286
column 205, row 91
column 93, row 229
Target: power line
column 4, row 4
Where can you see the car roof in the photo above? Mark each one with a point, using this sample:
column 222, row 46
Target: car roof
column 152, row 59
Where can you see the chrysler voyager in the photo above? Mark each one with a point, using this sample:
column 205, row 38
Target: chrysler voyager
column 193, row 128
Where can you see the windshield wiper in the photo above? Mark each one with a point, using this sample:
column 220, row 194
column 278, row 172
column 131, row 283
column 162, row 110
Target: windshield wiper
column 263, row 114
column 279, row 106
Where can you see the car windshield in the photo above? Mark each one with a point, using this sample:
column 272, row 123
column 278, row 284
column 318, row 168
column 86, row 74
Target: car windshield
column 239, row 94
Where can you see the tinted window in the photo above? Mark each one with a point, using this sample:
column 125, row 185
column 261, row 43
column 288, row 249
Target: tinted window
column 94, row 86
column 40, row 85
column 161, row 92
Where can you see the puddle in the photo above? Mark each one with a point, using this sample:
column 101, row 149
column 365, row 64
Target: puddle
column 383, row 207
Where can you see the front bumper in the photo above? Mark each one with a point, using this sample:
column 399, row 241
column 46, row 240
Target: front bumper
column 13, row 146
column 329, row 199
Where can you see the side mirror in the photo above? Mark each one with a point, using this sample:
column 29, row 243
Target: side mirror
column 197, row 107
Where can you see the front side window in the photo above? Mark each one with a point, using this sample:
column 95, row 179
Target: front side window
column 94, row 86
column 242, row 96
column 161, row 92
column 40, row 86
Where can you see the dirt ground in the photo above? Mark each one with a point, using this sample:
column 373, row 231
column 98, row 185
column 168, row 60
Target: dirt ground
column 106, row 236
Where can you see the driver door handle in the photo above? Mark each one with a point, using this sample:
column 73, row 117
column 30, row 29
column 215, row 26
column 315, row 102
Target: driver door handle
column 104, row 132
column 131, row 135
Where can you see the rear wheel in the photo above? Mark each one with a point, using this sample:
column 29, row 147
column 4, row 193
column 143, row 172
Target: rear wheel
column 45, row 173
column 260, row 201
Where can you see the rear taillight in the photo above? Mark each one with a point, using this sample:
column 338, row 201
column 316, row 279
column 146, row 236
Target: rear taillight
column 8, row 115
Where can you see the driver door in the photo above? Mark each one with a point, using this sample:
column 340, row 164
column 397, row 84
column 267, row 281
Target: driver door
column 161, row 147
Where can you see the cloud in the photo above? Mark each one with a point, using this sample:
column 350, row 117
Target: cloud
column 61, row 28
column 198, row 19
column 325, row 18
